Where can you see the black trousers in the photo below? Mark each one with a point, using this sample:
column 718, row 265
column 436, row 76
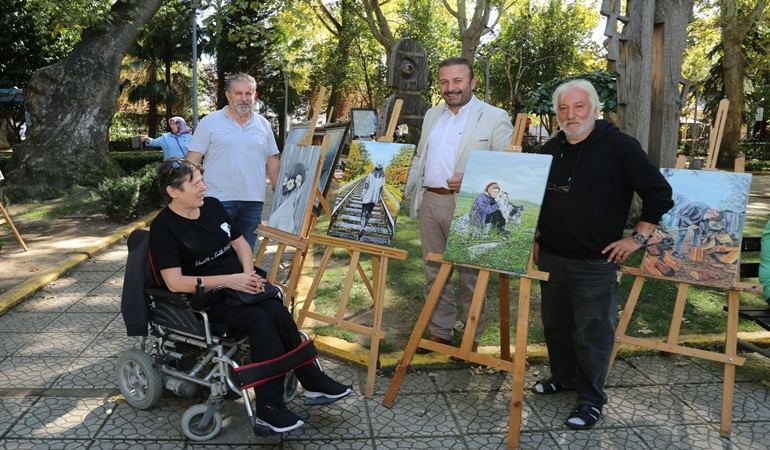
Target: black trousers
column 272, row 333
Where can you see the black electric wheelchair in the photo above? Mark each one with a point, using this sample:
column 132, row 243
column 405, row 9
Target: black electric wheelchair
column 181, row 351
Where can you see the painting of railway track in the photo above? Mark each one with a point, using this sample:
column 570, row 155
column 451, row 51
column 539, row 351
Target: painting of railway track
column 371, row 191
column 699, row 240
column 497, row 210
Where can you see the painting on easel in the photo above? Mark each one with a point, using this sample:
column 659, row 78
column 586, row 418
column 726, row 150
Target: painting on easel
column 497, row 210
column 699, row 240
column 371, row 191
column 337, row 133
column 295, row 189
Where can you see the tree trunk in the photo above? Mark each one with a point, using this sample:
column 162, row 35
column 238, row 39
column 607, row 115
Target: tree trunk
column 72, row 104
column 734, row 29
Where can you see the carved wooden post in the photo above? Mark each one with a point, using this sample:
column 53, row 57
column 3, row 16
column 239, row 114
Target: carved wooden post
column 647, row 60
column 407, row 76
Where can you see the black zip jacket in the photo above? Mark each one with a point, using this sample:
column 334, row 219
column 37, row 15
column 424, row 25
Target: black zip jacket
column 601, row 174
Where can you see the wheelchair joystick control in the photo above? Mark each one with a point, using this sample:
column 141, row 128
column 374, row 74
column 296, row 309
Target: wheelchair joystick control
column 200, row 287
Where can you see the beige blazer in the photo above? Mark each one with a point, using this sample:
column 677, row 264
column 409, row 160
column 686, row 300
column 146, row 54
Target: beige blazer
column 487, row 128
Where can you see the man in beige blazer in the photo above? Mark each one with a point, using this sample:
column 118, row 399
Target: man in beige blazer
column 450, row 130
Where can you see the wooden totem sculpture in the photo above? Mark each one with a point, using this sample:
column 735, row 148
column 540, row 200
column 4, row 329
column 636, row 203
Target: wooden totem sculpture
column 407, row 76
column 647, row 60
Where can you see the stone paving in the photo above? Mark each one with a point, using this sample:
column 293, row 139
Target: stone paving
column 58, row 391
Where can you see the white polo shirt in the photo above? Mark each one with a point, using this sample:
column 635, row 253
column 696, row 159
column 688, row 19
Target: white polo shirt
column 234, row 156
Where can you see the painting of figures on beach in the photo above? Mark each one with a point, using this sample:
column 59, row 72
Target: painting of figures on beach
column 295, row 189
column 370, row 192
column 699, row 240
column 497, row 210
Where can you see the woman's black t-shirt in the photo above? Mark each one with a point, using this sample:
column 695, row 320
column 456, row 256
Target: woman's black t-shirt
column 199, row 246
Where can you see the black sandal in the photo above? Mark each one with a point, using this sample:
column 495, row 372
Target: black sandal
column 584, row 413
column 549, row 386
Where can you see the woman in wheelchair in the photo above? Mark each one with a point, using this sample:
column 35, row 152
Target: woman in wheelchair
column 193, row 238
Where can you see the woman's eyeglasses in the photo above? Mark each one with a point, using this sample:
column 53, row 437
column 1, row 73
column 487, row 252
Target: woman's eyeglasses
column 174, row 165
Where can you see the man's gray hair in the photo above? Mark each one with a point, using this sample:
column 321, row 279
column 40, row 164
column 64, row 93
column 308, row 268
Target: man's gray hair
column 241, row 77
column 583, row 85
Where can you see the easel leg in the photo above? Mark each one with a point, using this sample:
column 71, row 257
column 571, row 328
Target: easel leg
column 519, row 364
column 676, row 317
column 379, row 271
column 625, row 318
column 472, row 325
column 505, row 317
column 419, row 329
column 731, row 347
column 13, row 227
column 313, row 288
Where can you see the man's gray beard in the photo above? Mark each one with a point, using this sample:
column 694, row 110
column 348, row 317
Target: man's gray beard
column 587, row 126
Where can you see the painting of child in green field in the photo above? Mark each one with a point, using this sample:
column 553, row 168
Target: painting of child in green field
column 497, row 210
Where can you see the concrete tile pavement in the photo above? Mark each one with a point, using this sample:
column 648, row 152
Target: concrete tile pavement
column 58, row 390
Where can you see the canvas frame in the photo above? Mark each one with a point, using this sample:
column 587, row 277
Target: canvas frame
column 505, row 247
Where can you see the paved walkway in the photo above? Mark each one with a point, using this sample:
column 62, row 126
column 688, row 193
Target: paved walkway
column 58, row 390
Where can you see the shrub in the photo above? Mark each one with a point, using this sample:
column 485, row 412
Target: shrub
column 121, row 197
column 131, row 196
column 134, row 161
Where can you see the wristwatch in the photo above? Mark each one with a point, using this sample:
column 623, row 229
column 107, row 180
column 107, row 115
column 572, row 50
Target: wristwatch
column 640, row 238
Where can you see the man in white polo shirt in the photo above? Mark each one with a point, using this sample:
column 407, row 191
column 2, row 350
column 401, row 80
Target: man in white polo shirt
column 239, row 149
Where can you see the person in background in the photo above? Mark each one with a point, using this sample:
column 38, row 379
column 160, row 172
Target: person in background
column 594, row 173
column 193, row 238
column 450, row 131
column 373, row 186
column 240, row 154
column 764, row 263
column 175, row 143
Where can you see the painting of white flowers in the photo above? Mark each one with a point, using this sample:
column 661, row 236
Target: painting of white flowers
column 296, row 188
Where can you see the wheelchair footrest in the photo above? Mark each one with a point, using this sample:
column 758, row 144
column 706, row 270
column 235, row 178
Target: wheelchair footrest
column 258, row 373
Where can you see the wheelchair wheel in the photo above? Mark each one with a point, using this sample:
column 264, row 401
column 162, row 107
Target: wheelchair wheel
column 138, row 379
column 289, row 387
column 191, row 423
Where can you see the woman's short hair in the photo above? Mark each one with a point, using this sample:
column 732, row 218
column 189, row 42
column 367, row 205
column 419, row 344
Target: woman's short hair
column 174, row 172
column 583, row 85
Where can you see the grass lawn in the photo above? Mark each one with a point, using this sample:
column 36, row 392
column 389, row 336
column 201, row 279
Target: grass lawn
column 405, row 282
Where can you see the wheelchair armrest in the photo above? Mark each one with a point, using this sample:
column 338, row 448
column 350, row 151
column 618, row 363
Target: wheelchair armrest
column 199, row 301
column 179, row 299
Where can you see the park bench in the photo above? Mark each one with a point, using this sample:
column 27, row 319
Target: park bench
column 758, row 314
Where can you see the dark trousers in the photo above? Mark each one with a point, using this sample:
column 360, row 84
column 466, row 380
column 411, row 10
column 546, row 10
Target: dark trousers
column 496, row 219
column 272, row 333
column 579, row 308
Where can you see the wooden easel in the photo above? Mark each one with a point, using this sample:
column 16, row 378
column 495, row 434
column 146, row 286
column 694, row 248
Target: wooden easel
column 729, row 358
column 517, row 367
column 13, row 227
column 283, row 239
column 376, row 286
column 715, row 136
column 380, row 256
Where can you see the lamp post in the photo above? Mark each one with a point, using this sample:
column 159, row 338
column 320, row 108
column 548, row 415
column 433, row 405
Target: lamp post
column 194, row 5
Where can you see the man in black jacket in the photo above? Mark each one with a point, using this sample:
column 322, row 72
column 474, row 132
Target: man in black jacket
column 595, row 171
